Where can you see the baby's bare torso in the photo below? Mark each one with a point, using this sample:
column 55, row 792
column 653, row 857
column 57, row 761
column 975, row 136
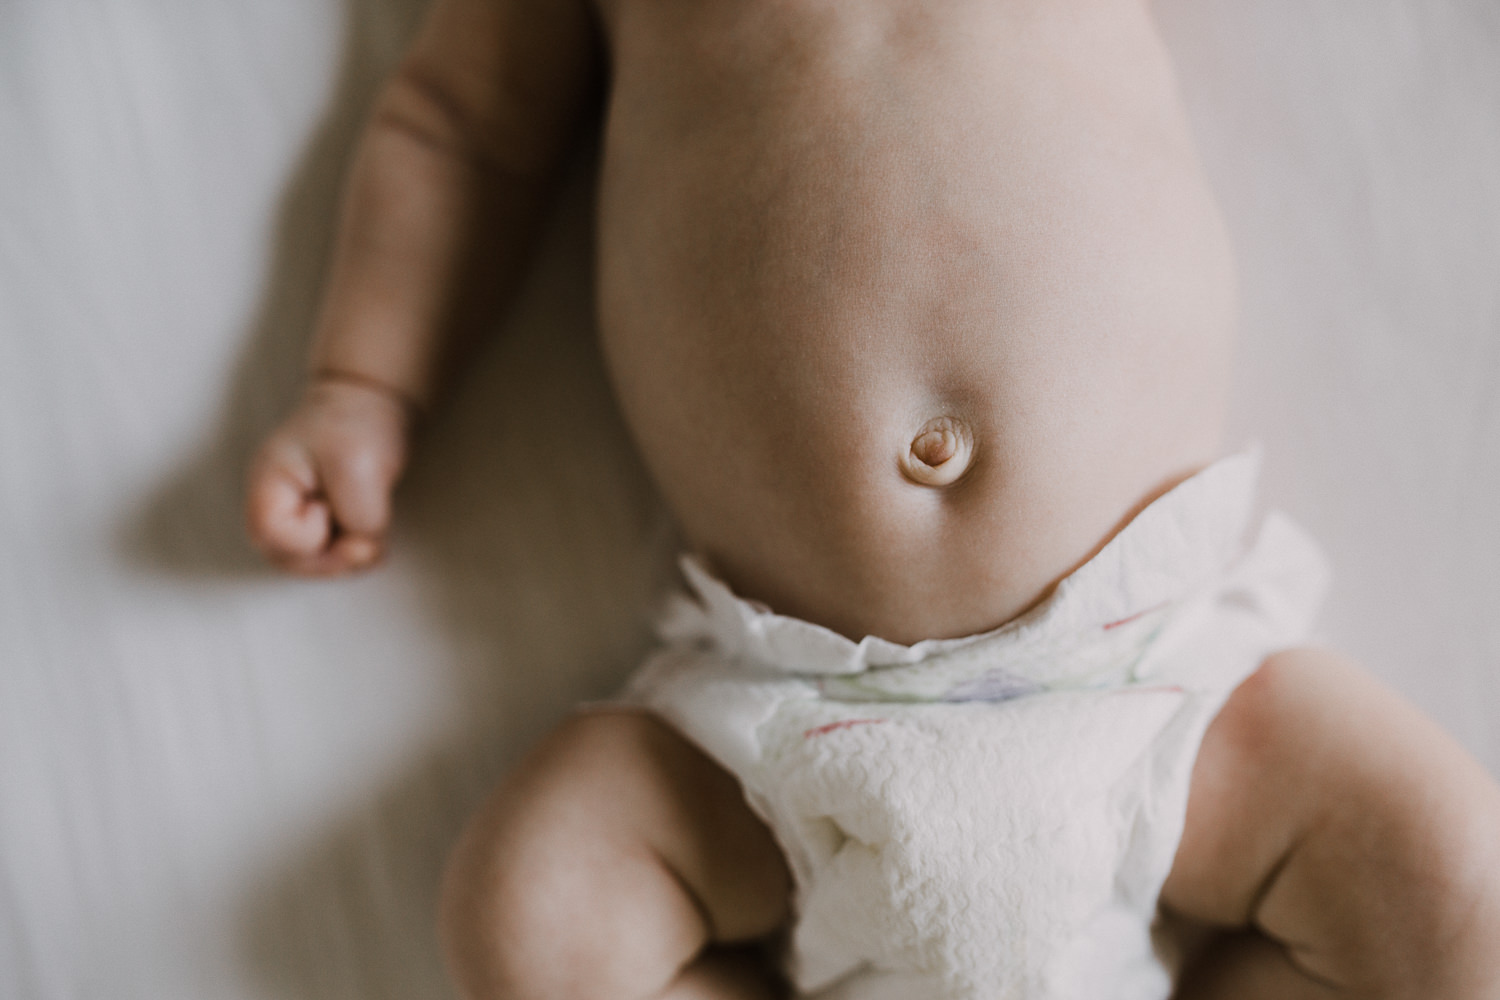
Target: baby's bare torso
column 826, row 225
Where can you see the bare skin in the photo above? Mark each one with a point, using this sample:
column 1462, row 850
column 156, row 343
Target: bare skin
column 910, row 308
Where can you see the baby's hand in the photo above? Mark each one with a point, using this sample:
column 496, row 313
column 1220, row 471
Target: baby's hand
column 319, row 498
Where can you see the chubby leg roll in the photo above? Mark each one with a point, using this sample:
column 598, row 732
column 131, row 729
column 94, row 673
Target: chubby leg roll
column 617, row 863
column 1354, row 842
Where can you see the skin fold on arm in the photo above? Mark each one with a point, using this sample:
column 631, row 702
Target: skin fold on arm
column 449, row 184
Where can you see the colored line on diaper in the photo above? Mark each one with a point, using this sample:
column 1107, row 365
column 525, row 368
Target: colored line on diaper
column 1152, row 689
column 1139, row 614
column 835, row 726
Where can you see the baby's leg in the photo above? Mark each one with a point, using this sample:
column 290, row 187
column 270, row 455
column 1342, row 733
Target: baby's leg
column 606, row 867
column 1354, row 842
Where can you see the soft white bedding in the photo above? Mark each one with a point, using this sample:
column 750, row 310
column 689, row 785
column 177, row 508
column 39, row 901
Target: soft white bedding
column 220, row 783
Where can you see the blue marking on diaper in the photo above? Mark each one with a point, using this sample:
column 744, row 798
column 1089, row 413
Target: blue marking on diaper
column 997, row 685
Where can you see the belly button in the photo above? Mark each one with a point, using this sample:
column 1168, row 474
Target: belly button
column 941, row 452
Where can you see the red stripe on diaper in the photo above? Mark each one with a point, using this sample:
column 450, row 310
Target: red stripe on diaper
column 835, row 726
column 1153, row 689
column 1131, row 618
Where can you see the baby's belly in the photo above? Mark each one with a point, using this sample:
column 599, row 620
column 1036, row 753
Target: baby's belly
column 838, row 238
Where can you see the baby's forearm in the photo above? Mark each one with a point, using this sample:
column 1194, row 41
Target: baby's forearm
column 421, row 214
column 449, row 186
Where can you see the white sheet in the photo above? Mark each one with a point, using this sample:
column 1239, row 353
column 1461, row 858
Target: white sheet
column 215, row 782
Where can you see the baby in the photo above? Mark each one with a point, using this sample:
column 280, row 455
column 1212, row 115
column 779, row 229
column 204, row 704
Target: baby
column 920, row 314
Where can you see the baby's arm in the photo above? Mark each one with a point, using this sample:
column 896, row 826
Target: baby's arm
column 1355, row 842
column 453, row 173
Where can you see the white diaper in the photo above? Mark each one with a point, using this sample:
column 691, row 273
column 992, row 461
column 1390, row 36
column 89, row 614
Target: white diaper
column 992, row 818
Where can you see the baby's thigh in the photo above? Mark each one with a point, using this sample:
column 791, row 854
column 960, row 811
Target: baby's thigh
column 614, row 854
column 1334, row 818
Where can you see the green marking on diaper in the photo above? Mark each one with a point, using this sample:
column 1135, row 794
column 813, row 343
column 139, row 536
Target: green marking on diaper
column 1011, row 667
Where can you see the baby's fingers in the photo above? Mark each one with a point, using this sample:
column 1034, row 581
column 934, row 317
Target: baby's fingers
column 346, row 553
column 355, row 505
column 285, row 515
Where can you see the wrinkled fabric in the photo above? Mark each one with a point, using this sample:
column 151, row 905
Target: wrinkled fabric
column 993, row 816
